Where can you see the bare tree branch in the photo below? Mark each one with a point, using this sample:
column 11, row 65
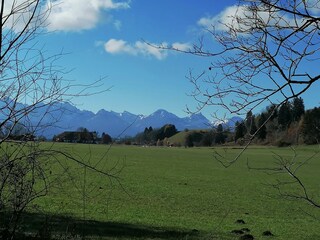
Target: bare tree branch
column 31, row 85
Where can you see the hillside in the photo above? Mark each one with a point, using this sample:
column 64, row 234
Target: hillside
column 179, row 139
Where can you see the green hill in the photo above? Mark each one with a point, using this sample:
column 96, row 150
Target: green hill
column 179, row 139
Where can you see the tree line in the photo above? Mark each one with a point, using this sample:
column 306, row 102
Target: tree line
column 280, row 125
column 83, row 135
column 155, row 136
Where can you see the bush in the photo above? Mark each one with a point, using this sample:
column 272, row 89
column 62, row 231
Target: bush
column 240, row 141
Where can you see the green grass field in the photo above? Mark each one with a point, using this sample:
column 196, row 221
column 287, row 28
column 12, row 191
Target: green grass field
column 177, row 193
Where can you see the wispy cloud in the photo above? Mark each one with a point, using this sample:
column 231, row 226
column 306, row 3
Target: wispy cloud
column 181, row 46
column 228, row 17
column 77, row 15
column 117, row 24
column 239, row 18
column 115, row 46
column 140, row 48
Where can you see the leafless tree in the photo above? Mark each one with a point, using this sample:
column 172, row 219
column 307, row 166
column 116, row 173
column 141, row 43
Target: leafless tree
column 31, row 83
column 286, row 175
column 265, row 54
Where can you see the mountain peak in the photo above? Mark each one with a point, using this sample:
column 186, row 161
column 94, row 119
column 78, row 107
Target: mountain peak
column 101, row 111
column 162, row 113
column 228, row 123
column 197, row 116
column 120, row 124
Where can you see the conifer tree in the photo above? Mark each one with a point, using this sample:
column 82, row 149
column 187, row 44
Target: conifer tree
column 262, row 134
column 285, row 115
column 220, row 137
column 297, row 108
column 240, row 131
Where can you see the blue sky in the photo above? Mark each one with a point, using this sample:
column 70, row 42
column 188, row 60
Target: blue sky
column 105, row 38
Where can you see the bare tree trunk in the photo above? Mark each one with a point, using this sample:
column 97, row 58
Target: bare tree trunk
column 31, row 83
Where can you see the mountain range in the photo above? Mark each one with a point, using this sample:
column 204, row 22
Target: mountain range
column 66, row 117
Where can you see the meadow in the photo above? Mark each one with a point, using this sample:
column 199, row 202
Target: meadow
column 175, row 193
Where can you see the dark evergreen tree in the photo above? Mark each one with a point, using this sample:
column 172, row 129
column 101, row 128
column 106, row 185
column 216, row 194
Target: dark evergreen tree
column 262, row 134
column 166, row 131
column 250, row 124
column 272, row 112
column 297, row 108
column 220, row 137
column 169, row 130
column 253, row 128
column 311, row 126
column 106, row 138
column 208, row 139
column 248, row 121
column 285, row 115
column 193, row 138
column 146, row 137
column 188, row 141
column 240, row 131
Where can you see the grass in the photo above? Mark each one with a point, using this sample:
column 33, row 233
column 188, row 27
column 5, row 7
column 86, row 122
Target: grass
column 179, row 139
column 180, row 193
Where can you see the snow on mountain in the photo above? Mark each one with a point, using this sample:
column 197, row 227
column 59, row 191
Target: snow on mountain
column 197, row 121
column 129, row 117
column 158, row 119
column 228, row 123
column 66, row 117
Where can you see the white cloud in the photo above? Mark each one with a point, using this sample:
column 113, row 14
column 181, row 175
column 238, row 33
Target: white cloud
column 181, row 46
column 158, row 51
column 223, row 19
column 239, row 18
column 77, row 15
column 115, row 46
column 151, row 50
column 17, row 13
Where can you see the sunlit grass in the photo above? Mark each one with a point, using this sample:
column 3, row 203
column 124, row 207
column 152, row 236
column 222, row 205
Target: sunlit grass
column 185, row 189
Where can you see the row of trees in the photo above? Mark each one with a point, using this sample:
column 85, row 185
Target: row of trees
column 83, row 135
column 286, row 124
column 152, row 136
column 282, row 125
column 206, row 138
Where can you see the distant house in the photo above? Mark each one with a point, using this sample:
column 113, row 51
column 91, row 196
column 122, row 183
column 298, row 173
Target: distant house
column 76, row 137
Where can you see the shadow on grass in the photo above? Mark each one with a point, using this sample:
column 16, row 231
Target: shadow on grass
column 38, row 226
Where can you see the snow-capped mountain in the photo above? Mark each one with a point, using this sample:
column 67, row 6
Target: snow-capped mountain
column 228, row 123
column 197, row 121
column 66, row 117
column 158, row 119
column 128, row 117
